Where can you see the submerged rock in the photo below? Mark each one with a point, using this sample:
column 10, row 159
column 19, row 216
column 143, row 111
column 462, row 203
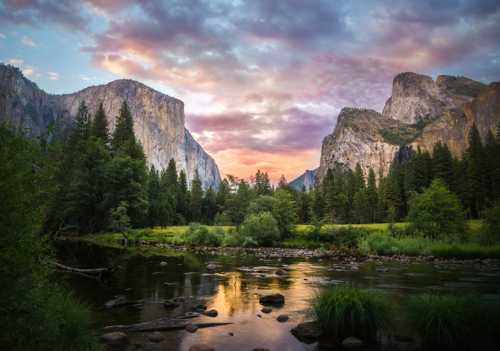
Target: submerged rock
column 191, row 328
column 352, row 342
column 211, row 313
column 201, row 347
column 266, row 310
column 307, row 332
column 156, row 337
column 114, row 338
column 282, row 318
column 272, row 299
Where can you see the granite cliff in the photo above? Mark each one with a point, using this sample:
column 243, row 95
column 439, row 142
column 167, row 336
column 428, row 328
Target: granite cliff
column 306, row 180
column 158, row 118
column 420, row 112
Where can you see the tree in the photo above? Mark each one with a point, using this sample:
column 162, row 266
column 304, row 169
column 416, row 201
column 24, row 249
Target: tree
column 303, row 201
column 100, row 125
column 154, row 203
column 361, row 207
column 372, row 196
column 223, row 194
column 263, row 203
column 318, row 203
column 120, row 222
column 437, row 212
column 209, row 206
column 261, row 228
column 262, row 183
column 196, row 199
column 442, row 163
column 284, row 212
column 237, row 204
column 475, row 176
column 182, row 199
column 123, row 135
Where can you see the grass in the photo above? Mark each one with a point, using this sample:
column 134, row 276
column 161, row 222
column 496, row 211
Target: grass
column 447, row 322
column 344, row 311
column 384, row 244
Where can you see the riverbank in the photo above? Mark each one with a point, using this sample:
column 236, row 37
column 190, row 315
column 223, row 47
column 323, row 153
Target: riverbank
column 358, row 240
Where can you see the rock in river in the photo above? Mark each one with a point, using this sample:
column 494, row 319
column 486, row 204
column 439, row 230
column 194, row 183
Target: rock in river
column 351, row 343
column 307, row 332
column 273, row 299
column 211, row 313
column 156, row 337
column 114, row 338
column 201, row 347
column 266, row 310
column 282, row 318
column 191, row 328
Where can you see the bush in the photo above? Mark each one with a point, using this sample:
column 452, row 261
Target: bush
column 490, row 229
column 345, row 311
column 284, row 212
column 455, row 323
column 341, row 237
column 261, row 229
column 437, row 212
column 199, row 235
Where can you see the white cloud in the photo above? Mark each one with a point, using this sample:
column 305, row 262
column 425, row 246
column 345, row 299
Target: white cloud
column 53, row 75
column 28, row 42
column 2, row 36
column 15, row 62
column 28, row 71
column 87, row 78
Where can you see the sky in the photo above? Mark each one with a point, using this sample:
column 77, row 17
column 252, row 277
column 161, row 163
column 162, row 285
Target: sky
column 262, row 81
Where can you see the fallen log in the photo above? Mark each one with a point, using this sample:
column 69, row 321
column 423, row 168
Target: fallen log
column 160, row 324
column 81, row 270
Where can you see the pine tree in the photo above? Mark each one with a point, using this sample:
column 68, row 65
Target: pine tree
column 361, row 207
column 318, row 203
column 196, row 199
column 182, row 199
column 372, row 196
column 475, row 176
column 303, row 201
column 123, row 134
column 100, row 125
column 209, row 206
column 154, row 205
column 222, row 195
column 262, row 183
column 282, row 184
column 237, row 205
column 442, row 164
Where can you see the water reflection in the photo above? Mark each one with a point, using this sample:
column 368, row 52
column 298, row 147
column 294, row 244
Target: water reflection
column 234, row 287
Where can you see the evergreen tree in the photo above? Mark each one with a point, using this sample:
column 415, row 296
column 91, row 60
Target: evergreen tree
column 318, row 203
column 282, row 184
column 209, row 206
column 262, row 184
column 196, row 199
column 223, row 194
column 154, row 204
column 442, row 164
column 182, row 199
column 475, row 173
column 237, row 205
column 372, row 196
column 168, row 198
column 361, row 207
column 100, row 125
column 303, row 201
column 491, row 182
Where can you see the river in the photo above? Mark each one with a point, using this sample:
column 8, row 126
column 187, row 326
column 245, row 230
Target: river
column 233, row 288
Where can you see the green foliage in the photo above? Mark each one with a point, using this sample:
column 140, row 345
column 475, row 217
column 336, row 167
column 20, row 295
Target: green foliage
column 490, row 230
column 34, row 314
column 262, row 184
column 437, row 212
column 199, row 235
column 100, row 125
column 120, row 222
column 196, row 199
column 344, row 311
column 261, row 228
column 448, row 322
column 284, row 211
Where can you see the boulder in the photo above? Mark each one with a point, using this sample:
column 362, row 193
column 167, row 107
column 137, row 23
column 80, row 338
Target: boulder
column 191, row 328
column 170, row 305
column 201, row 347
column 114, row 338
column 211, row 313
column 351, row 343
column 266, row 310
column 163, row 264
column 307, row 332
column 272, row 299
column 282, row 318
column 156, row 337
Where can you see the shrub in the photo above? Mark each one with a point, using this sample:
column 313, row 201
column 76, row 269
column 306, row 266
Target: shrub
column 490, row 229
column 344, row 311
column 455, row 323
column 436, row 212
column 261, row 229
column 284, row 212
column 199, row 235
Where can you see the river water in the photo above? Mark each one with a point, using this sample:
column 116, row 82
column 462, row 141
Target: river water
column 234, row 286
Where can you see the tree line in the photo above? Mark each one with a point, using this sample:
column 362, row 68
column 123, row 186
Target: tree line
column 100, row 181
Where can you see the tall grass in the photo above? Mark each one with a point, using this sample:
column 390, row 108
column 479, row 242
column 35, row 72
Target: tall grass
column 344, row 311
column 447, row 322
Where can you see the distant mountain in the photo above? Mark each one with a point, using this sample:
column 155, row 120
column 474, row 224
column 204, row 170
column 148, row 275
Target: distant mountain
column 420, row 113
column 158, row 118
column 307, row 179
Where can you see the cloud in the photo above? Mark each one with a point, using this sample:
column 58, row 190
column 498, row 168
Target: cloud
column 15, row 62
column 28, row 42
column 263, row 78
column 53, row 75
column 2, row 36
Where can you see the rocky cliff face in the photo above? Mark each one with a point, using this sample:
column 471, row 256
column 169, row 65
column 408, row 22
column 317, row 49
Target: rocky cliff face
column 419, row 113
column 306, row 180
column 158, row 118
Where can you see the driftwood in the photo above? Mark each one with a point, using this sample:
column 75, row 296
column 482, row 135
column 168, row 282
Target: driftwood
column 160, row 324
column 94, row 273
